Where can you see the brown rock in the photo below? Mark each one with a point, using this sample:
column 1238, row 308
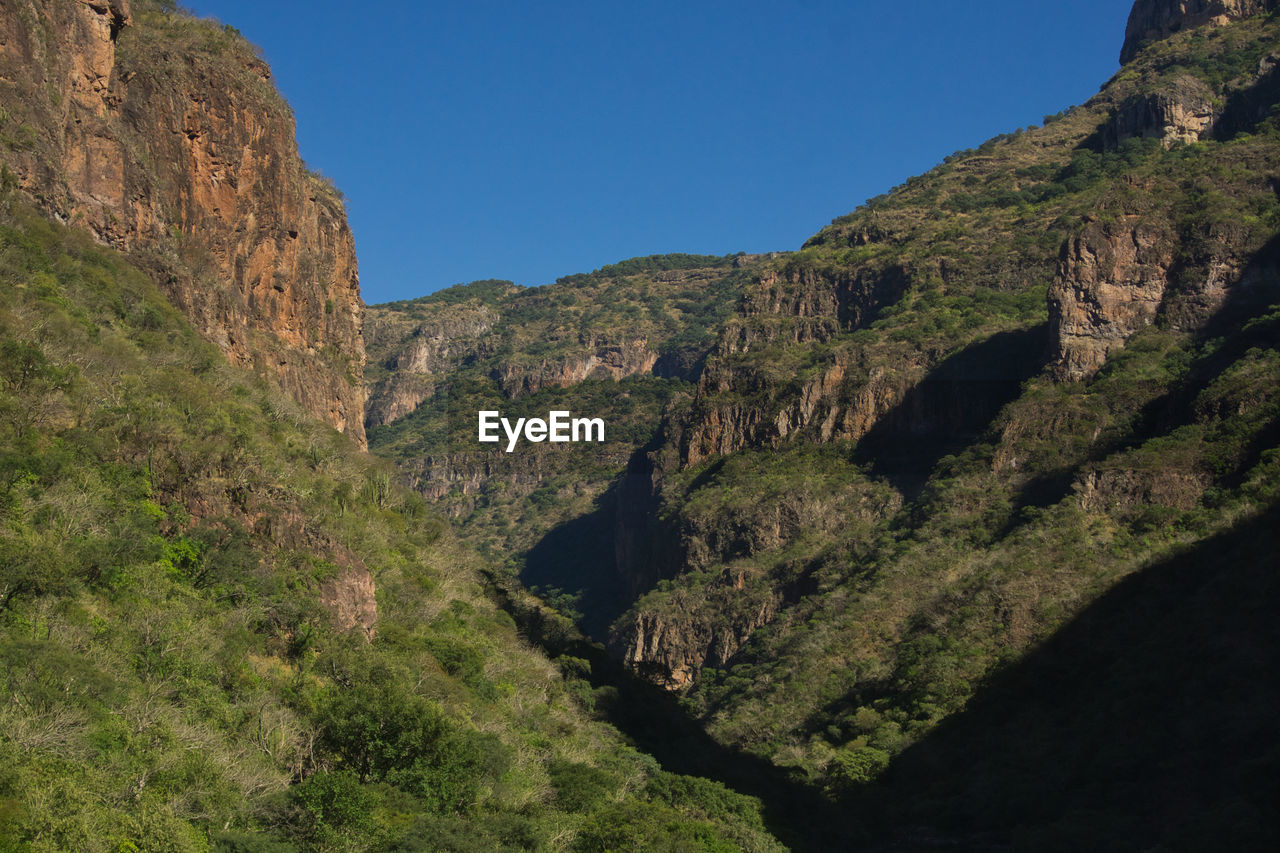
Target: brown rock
column 1182, row 111
column 1153, row 20
column 1110, row 489
column 1116, row 278
column 186, row 155
column 351, row 602
column 600, row 361
column 670, row 647
column 1111, row 281
column 421, row 357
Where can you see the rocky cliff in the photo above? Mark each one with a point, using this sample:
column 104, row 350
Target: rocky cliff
column 1111, row 284
column 1182, row 111
column 617, row 343
column 598, row 359
column 417, row 356
column 909, row 333
column 1152, row 20
column 901, row 458
column 162, row 135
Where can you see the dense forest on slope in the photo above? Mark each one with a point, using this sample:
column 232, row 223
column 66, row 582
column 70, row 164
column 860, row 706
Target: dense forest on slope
column 930, row 445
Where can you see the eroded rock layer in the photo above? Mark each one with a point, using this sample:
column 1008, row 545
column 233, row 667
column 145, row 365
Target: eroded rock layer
column 163, row 135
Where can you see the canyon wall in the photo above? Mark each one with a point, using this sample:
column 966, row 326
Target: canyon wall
column 163, row 136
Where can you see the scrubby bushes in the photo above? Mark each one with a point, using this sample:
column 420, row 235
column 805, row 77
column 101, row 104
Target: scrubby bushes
column 169, row 678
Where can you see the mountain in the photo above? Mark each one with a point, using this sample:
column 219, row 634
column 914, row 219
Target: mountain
column 163, row 137
column 1154, row 20
column 922, row 457
column 619, row 343
column 952, row 528
column 223, row 626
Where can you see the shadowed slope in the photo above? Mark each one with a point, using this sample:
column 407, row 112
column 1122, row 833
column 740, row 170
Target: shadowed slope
column 1146, row 723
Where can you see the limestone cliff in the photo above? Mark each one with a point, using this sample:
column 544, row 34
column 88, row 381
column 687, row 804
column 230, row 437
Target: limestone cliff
column 1116, row 278
column 598, row 359
column 643, row 317
column 1152, row 20
column 162, row 135
column 418, row 355
column 615, row 344
column 671, row 648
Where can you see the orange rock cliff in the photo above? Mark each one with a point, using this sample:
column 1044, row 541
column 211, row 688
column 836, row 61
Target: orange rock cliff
column 163, row 136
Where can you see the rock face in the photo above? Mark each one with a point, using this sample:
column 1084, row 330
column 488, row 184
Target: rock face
column 1112, row 278
column 1118, row 277
column 598, row 361
column 1182, row 112
column 351, row 601
column 671, row 650
column 1152, row 20
column 163, row 136
column 838, row 400
column 1100, row 490
column 431, row 351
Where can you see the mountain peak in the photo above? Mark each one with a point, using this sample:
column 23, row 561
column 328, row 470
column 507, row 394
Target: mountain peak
column 1152, row 20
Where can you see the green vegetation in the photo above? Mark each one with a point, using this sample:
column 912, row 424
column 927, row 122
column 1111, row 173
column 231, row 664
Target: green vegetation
column 488, row 292
column 172, row 678
column 649, row 264
column 891, row 571
column 855, row 595
column 166, row 45
column 649, row 321
column 913, row 568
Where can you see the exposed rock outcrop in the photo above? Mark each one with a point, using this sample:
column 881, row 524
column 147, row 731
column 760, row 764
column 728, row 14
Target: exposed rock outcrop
column 1152, row 20
column 1182, row 111
column 430, row 352
column 830, row 300
column 1111, row 281
column 1109, row 489
column 350, row 599
column 163, row 135
column 670, row 647
column 1117, row 277
column 598, row 361
column 842, row 401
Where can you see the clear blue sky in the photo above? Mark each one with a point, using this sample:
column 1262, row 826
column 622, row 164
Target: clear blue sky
column 528, row 141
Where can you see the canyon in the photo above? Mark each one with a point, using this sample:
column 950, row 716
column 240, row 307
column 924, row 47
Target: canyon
column 1014, row 348
column 857, row 507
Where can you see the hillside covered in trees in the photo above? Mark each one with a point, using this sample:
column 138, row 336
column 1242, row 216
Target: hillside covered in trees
column 953, row 528
column 927, row 447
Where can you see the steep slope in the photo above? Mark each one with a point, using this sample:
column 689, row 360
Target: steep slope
column 1185, row 645
column 163, row 136
column 618, row 344
column 224, row 627
column 961, row 413
column 1154, row 20
column 948, row 425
